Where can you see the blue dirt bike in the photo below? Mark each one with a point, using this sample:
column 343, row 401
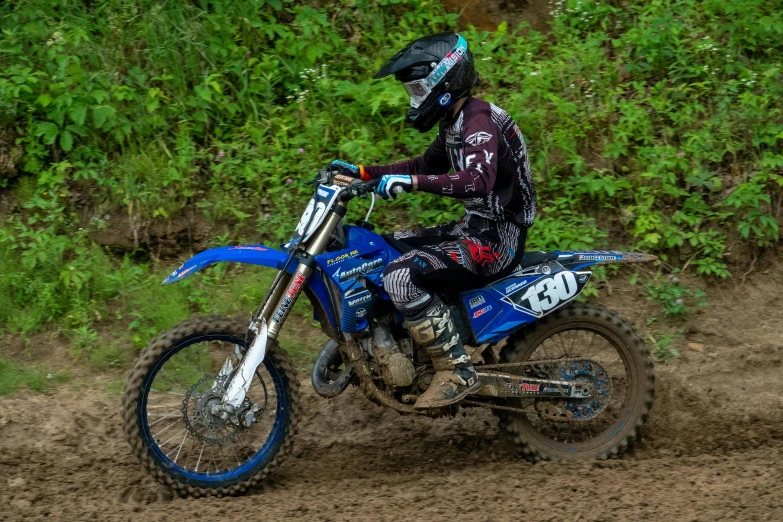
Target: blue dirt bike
column 211, row 406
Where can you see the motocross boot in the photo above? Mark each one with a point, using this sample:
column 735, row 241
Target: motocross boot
column 455, row 378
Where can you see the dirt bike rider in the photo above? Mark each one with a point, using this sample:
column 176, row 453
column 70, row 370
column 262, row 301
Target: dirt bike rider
column 491, row 174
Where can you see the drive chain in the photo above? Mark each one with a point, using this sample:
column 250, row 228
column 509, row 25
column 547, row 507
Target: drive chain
column 528, row 363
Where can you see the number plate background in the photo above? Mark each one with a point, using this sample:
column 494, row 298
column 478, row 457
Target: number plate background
column 498, row 310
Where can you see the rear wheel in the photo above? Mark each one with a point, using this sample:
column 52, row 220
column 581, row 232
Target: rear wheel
column 598, row 348
column 168, row 414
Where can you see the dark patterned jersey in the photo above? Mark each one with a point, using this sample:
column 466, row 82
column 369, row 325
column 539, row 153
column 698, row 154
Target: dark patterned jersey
column 487, row 154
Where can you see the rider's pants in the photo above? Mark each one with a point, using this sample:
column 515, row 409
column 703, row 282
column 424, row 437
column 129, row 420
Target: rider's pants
column 457, row 256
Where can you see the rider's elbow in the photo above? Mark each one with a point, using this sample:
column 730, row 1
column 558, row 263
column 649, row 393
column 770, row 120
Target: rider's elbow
column 483, row 189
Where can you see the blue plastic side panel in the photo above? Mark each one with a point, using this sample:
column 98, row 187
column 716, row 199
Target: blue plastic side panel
column 501, row 308
column 358, row 267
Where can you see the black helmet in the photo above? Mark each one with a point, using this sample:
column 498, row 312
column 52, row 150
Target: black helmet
column 436, row 71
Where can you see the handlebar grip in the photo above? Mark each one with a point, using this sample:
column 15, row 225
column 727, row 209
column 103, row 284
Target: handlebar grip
column 398, row 190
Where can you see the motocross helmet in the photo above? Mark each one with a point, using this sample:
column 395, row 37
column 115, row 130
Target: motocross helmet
column 436, row 71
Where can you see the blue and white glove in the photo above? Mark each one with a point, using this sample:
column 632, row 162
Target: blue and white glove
column 393, row 184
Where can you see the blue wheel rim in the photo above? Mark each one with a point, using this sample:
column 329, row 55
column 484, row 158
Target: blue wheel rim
column 265, row 454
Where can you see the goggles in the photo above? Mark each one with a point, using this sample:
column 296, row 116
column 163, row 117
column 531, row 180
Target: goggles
column 418, row 90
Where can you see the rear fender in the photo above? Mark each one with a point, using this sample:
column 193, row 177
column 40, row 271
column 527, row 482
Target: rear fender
column 580, row 259
column 264, row 256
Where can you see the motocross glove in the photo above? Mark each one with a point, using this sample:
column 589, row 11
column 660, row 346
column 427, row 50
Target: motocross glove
column 346, row 169
column 393, row 184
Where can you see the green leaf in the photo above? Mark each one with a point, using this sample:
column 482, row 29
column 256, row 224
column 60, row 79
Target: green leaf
column 48, row 130
column 66, row 141
column 76, row 130
column 44, row 100
column 78, row 113
column 100, row 114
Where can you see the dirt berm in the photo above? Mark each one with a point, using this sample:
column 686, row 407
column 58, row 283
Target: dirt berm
column 712, row 450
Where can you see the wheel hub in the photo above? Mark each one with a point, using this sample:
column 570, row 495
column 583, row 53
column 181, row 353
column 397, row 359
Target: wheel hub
column 588, row 375
column 206, row 417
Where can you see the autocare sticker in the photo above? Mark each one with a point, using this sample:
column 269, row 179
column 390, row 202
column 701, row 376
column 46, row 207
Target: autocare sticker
column 359, row 271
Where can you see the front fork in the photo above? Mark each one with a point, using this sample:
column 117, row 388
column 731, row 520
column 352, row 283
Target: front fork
column 267, row 323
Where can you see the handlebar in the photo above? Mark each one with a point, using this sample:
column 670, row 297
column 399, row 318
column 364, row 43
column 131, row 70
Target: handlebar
column 357, row 189
column 360, row 188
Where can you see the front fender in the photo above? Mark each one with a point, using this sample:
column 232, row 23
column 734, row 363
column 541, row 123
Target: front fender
column 264, row 256
column 251, row 254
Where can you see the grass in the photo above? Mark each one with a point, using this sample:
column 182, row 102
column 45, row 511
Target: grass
column 15, row 377
column 652, row 126
column 110, row 337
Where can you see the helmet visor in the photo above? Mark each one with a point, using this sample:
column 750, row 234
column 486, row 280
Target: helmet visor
column 418, row 90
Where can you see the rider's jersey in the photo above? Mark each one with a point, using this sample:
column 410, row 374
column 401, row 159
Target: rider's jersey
column 491, row 171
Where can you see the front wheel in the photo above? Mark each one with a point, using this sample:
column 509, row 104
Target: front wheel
column 167, row 409
column 594, row 346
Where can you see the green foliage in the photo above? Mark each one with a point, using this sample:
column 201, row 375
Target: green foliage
column 663, row 348
column 650, row 125
column 15, row 376
column 677, row 299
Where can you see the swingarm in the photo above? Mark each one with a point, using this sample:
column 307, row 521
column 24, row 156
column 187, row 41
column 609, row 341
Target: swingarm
column 495, row 384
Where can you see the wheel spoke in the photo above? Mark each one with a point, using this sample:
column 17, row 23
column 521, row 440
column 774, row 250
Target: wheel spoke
column 203, row 445
column 239, row 463
column 571, row 348
column 179, row 448
column 588, row 352
column 162, row 418
column 166, row 428
column 560, row 338
column 173, row 436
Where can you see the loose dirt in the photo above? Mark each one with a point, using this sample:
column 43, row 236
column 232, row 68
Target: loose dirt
column 712, row 450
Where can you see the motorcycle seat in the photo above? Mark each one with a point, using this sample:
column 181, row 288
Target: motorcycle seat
column 528, row 259
column 536, row 258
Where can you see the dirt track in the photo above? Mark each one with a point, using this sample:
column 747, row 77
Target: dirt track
column 713, row 449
